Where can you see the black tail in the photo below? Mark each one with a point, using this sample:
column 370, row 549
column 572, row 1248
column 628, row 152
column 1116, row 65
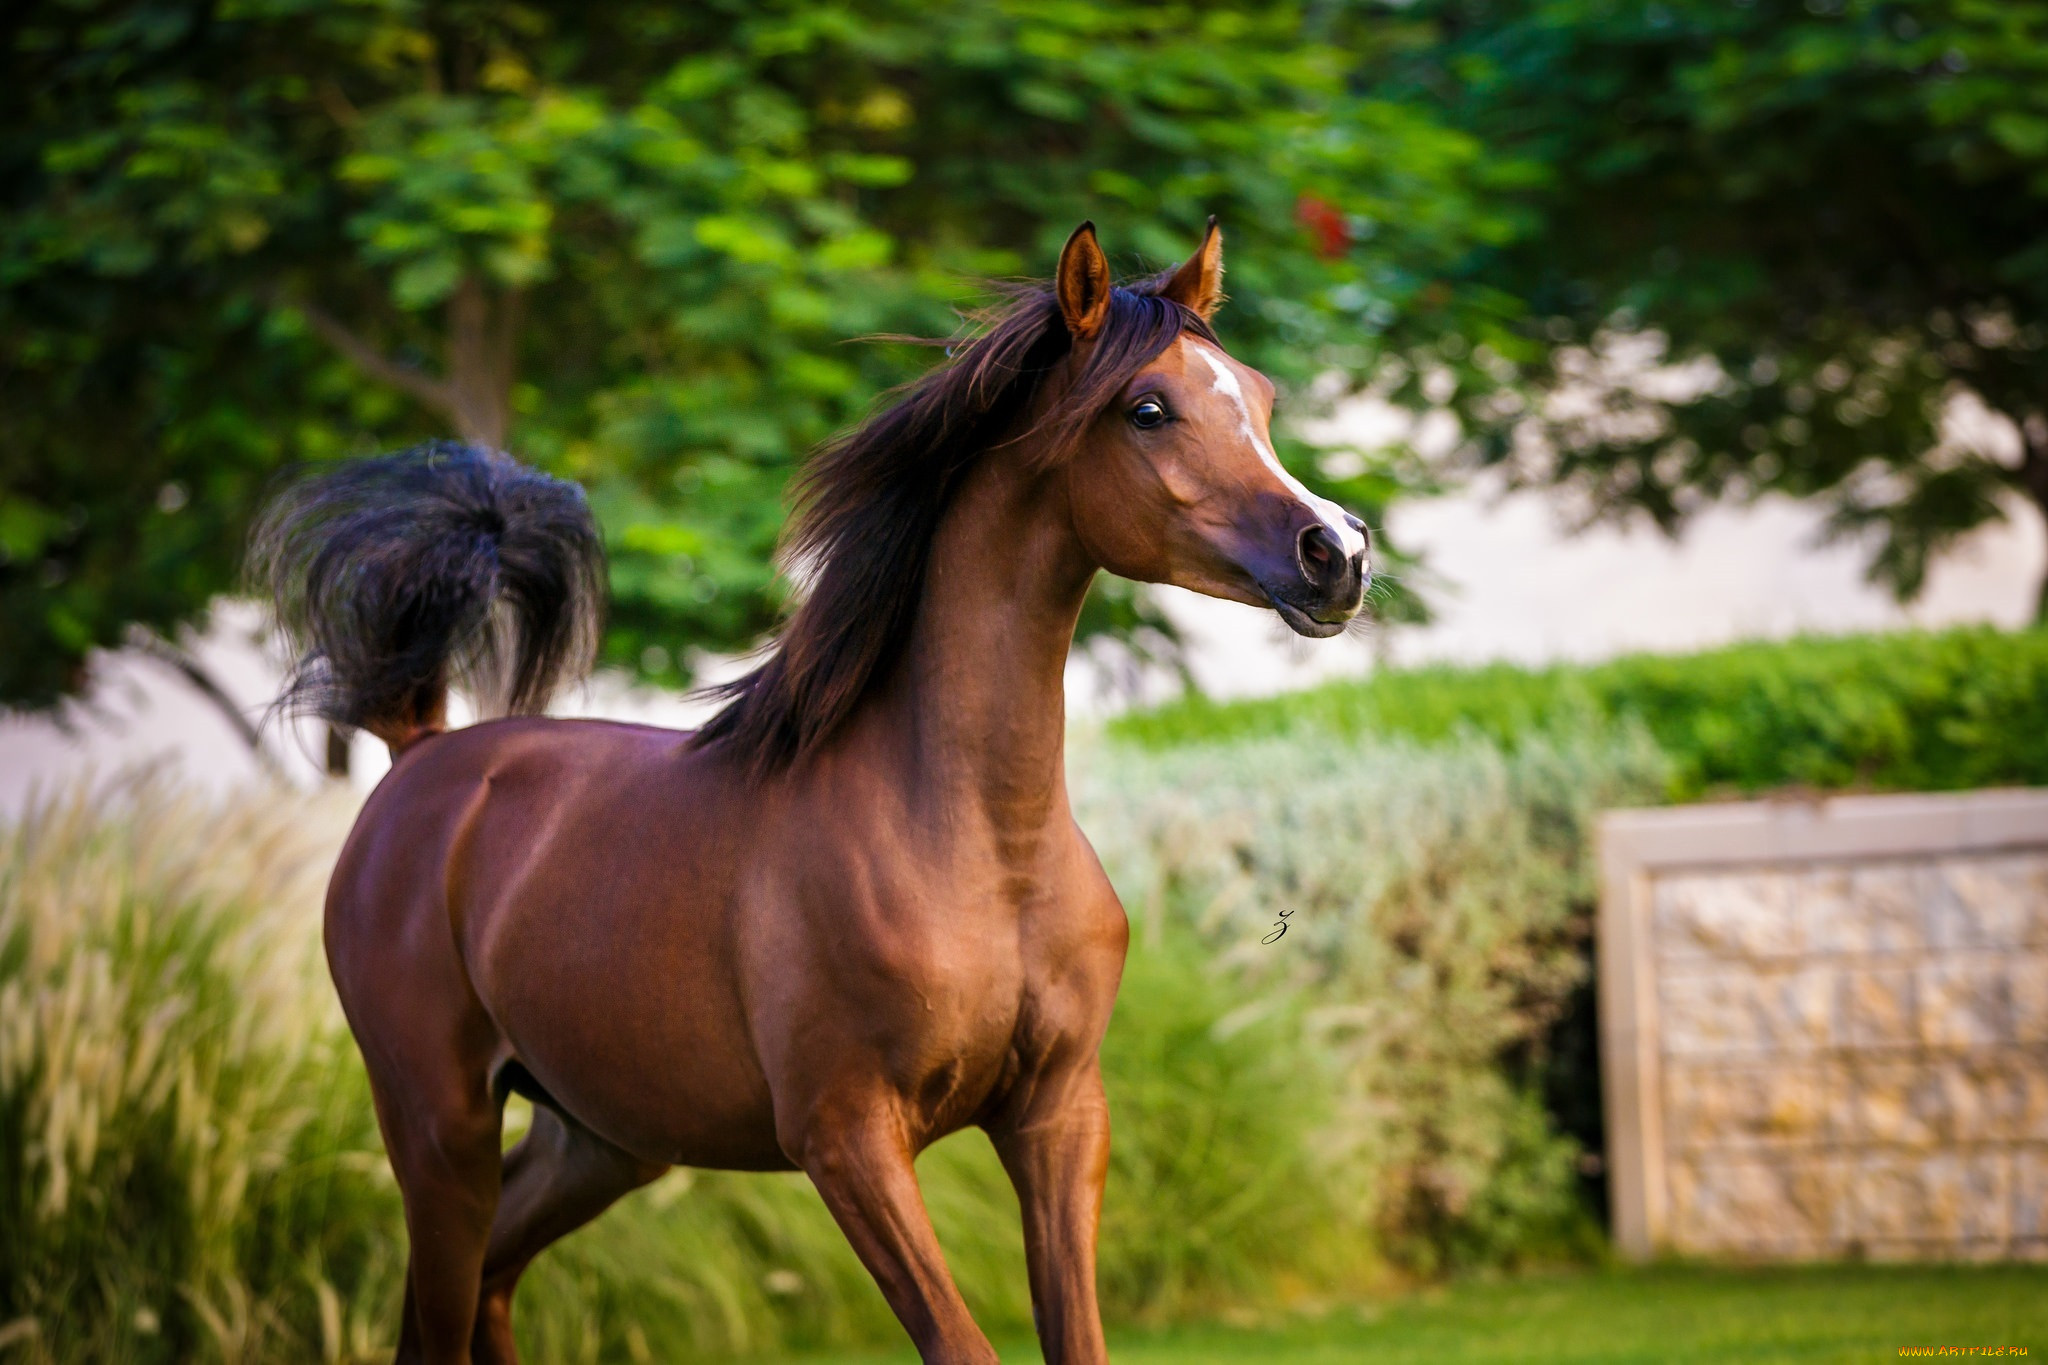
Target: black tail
column 398, row 576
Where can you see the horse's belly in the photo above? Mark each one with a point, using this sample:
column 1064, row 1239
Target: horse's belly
column 685, row 1110
column 634, row 1031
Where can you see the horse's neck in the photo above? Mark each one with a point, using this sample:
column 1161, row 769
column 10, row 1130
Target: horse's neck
column 981, row 694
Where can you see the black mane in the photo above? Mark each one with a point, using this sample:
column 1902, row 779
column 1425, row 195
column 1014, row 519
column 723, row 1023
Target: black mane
column 869, row 503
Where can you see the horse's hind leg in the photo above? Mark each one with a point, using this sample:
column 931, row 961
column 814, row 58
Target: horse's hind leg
column 441, row 1132
column 559, row 1177
column 427, row 1045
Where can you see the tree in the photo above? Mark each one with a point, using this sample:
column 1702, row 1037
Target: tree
column 1827, row 213
column 629, row 241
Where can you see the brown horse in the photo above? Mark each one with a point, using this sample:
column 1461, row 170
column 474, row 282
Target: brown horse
column 853, row 913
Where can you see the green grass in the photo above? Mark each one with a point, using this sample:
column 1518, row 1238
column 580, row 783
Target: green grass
column 1831, row 1315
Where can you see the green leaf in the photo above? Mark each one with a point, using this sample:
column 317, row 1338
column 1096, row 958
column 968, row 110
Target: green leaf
column 427, row 281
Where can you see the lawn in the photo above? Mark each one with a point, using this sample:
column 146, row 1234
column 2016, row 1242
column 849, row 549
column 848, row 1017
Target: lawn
column 1669, row 1316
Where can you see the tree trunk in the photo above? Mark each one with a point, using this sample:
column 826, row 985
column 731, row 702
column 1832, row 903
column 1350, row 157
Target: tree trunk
column 474, row 396
column 483, row 335
column 2034, row 478
column 337, row 751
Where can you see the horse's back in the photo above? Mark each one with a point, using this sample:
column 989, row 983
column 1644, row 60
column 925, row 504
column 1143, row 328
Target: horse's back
column 455, row 808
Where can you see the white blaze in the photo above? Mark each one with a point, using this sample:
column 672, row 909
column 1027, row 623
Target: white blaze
column 1327, row 512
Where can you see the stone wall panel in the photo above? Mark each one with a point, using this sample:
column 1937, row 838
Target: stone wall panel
column 1835, row 1035
column 1962, row 1001
column 1735, row 1108
column 2030, row 1202
column 1726, row 1204
column 1720, row 917
column 1758, row 1012
column 2028, row 977
column 1877, row 1008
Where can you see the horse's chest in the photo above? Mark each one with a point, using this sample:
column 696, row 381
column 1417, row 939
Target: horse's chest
column 989, row 997
column 954, row 1059
column 958, row 987
column 938, row 987
column 940, row 969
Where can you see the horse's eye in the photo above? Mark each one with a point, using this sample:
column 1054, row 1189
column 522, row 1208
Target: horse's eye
column 1148, row 414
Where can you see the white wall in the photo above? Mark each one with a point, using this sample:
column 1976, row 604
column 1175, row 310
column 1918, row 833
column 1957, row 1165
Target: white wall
column 141, row 711
column 1506, row 582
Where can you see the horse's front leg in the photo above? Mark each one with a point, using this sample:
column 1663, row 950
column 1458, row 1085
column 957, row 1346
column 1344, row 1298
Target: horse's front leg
column 857, row 1155
column 1057, row 1154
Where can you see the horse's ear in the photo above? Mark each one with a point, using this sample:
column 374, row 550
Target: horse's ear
column 1198, row 284
column 1083, row 283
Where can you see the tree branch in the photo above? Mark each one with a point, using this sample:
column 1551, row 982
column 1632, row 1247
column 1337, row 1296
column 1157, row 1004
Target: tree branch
column 433, row 392
column 148, row 642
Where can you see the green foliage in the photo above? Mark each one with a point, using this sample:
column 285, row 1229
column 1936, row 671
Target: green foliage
column 1911, row 711
column 631, row 242
column 1438, row 906
column 1217, row 1205
column 1827, row 210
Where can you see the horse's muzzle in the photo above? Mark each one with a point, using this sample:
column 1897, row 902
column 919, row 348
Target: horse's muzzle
column 1327, row 587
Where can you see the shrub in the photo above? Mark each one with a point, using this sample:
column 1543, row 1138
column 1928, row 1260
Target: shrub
column 1221, row 1192
column 1906, row 711
column 1439, row 902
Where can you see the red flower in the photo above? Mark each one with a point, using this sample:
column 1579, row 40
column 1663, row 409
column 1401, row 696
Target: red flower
column 1324, row 224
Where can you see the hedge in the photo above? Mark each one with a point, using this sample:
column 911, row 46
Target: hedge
column 1910, row 711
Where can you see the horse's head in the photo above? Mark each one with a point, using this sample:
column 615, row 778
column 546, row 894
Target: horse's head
column 1175, row 481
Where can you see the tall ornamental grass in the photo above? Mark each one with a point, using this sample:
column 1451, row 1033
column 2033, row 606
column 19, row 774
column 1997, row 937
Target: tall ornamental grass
column 190, row 1169
column 187, row 1164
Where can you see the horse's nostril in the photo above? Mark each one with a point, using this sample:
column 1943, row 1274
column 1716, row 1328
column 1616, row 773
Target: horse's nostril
column 1318, row 552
